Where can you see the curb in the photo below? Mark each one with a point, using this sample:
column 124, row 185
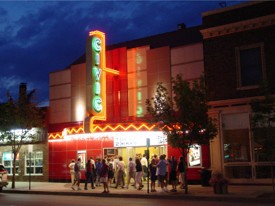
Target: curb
column 223, row 198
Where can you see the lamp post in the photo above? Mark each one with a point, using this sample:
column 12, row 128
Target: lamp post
column 30, row 149
column 148, row 169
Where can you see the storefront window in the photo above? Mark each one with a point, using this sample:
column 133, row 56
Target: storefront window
column 34, row 163
column 236, row 145
column 264, row 172
column 236, row 141
column 238, row 172
column 263, row 144
column 194, row 156
column 7, row 160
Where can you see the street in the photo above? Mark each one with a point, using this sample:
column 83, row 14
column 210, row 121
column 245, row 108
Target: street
column 7, row 199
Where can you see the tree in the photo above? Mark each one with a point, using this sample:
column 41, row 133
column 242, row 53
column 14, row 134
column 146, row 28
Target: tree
column 263, row 126
column 20, row 121
column 183, row 118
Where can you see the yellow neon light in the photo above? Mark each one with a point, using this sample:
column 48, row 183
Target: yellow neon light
column 112, row 71
column 75, row 131
column 56, row 136
column 102, row 129
column 131, row 126
column 101, row 115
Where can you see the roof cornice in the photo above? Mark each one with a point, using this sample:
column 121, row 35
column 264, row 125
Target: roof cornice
column 240, row 26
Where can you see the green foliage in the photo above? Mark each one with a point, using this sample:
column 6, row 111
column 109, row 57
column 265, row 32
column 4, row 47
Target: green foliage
column 184, row 120
column 17, row 120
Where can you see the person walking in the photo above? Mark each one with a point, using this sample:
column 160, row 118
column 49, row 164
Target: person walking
column 116, row 160
column 98, row 165
column 104, row 176
column 71, row 166
column 162, row 167
column 166, row 179
column 144, row 164
column 110, row 171
column 89, row 175
column 131, row 171
column 153, row 177
column 139, row 174
column 181, row 171
column 77, row 174
column 173, row 174
column 120, row 173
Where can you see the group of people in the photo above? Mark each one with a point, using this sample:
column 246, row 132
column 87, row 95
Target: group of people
column 114, row 171
column 96, row 173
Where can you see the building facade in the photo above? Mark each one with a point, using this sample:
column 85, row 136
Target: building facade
column 97, row 104
column 32, row 160
column 239, row 50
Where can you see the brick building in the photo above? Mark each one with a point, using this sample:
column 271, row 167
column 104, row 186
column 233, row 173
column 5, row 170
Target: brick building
column 239, row 48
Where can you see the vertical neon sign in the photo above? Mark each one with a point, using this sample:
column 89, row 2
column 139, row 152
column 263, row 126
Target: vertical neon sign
column 97, row 74
column 96, row 79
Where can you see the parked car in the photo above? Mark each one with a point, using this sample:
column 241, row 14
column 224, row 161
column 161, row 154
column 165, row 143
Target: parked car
column 3, row 177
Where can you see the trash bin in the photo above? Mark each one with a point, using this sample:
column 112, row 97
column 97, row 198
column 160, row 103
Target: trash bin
column 205, row 177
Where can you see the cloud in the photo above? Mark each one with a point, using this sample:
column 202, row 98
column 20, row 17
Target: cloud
column 39, row 37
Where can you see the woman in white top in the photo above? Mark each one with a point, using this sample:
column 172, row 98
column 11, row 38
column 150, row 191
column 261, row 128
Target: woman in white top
column 120, row 173
column 71, row 166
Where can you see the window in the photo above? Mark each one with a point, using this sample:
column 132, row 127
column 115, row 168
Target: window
column 236, row 145
column 110, row 152
column 236, row 141
column 7, row 160
column 238, row 172
column 34, row 163
column 250, row 65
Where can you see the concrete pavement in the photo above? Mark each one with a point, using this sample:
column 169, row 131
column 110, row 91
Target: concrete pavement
column 236, row 193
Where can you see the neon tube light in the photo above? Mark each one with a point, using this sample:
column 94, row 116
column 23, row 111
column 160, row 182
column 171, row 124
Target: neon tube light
column 97, row 63
column 119, row 127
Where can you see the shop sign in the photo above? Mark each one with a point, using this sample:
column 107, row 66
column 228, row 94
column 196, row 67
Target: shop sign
column 139, row 139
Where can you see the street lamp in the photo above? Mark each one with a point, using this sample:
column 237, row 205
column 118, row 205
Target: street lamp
column 148, row 168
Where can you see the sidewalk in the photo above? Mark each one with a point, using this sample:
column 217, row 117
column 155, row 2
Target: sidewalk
column 239, row 193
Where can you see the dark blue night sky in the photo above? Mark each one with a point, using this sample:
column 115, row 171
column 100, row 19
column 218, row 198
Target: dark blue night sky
column 39, row 37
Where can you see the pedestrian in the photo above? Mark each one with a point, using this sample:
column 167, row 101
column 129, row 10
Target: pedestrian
column 161, row 172
column 89, row 175
column 110, row 171
column 167, row 169
column 173, row 174
column 116, row 160
column 139, row 174
column 77, row 174
column 144, row 164
column 98, row 165
column 93, row 168
column 71, row 166
column 181, row 171
column 156, row 158
column 104, row 176
column 131, row 171
column 153, row 177
column 120, row 173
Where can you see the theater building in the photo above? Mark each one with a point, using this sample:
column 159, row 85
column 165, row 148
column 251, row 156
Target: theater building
column 97, row 104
